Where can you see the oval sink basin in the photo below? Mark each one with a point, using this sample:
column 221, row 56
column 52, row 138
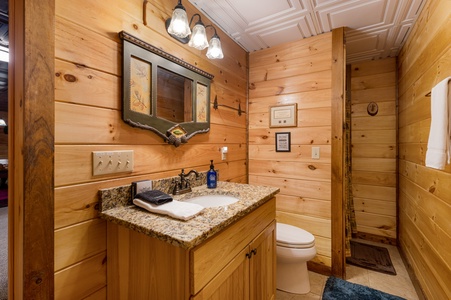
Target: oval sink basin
column 212, row 200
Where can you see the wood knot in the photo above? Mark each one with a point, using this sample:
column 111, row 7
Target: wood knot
column 431, row 189
column 70, row 78
column 89, row 76
column 135, row 26
column 252, row 86
column 312, row 167
column 81, row 66
column 384, row 227
column 280, row 91
column 57, row 74
column 264, row 137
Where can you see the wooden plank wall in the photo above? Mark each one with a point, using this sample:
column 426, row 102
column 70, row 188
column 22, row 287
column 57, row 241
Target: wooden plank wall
column 424, row 193
column 374, row 148
column 298, row 72
column 88, row 118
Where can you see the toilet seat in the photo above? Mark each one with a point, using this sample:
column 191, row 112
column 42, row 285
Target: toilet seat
column 294, row 237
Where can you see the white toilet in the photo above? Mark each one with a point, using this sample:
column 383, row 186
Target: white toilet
column 295, row 247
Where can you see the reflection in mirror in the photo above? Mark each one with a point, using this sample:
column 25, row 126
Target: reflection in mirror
column 174, row 96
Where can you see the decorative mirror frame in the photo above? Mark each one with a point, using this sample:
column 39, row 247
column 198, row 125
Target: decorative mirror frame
column 173, row 133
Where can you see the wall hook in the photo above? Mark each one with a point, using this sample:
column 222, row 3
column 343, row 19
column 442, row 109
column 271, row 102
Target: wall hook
column 215, row 104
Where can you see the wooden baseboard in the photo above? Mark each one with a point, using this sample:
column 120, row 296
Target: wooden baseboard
column 319, row 268
column 413, row 277
column 376, row 238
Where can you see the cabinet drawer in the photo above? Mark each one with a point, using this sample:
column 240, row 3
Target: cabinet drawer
column 209, row 258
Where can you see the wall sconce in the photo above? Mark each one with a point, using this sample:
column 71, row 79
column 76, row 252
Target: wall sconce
column 178, row 27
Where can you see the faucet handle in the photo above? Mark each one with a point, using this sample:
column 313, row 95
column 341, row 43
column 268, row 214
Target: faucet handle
column 175, row 189
column 187, row 184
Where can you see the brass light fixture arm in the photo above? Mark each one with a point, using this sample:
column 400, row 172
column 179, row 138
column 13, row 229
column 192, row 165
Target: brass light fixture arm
column 145, row 12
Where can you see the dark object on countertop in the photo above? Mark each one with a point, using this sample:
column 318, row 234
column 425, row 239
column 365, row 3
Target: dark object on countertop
column 154, row 197
column 212, row 178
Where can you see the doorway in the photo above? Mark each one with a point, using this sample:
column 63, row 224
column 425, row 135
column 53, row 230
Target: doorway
column 31, row 149
column 4, row 55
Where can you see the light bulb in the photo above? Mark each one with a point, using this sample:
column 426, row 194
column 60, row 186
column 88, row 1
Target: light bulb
column 214, row 48
column 179, row 23
column 198, row 38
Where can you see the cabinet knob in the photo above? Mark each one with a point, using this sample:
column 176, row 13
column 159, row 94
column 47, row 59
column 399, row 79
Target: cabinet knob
column 253, row 252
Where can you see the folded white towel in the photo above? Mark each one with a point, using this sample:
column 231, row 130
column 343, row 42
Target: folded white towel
column 439, row 143
column 176, row 209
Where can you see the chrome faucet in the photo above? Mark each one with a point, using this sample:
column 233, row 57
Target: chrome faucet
column 183, row 186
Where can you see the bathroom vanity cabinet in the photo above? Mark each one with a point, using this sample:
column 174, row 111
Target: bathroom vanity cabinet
column 238, row 262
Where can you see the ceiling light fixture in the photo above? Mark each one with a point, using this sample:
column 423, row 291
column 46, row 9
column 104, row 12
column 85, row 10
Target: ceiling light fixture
column 178, row 27
column 214, row 47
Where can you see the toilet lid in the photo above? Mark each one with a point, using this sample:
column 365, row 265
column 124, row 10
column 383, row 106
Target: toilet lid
column 294, row 237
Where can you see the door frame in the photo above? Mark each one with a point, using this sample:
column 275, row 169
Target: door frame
column 31, row 149
column 338, row 123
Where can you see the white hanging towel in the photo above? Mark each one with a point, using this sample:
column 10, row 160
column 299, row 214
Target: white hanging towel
column 439, row 143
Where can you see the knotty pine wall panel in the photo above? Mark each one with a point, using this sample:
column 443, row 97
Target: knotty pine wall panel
column 298, row 72
column 374, row 147
column 424, row 193
column 88, row 89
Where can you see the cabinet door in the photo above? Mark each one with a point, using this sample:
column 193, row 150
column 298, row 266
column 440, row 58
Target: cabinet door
column 231, row 283
column 263, row 265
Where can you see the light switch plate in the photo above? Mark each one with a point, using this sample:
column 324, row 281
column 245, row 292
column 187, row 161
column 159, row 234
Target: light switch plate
column 315, row 152
column 109, row 162
column 224, row 151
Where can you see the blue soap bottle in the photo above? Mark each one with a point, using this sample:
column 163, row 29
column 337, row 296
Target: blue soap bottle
column 211, row 176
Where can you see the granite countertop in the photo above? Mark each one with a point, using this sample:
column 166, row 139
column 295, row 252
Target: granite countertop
column 188, row 234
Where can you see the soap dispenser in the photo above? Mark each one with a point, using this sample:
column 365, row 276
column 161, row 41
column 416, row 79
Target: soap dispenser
column 211, row 176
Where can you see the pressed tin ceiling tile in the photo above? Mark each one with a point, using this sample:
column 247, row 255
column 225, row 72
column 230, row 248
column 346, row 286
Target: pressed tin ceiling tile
column 375, row 28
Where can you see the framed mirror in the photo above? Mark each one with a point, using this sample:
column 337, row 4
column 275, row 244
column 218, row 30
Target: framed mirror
column 163, row 93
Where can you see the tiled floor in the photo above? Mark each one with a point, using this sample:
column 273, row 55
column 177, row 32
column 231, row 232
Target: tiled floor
column 399, row 285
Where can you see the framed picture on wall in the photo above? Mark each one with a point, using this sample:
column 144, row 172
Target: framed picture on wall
column 283, row 115
column 283, row 142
